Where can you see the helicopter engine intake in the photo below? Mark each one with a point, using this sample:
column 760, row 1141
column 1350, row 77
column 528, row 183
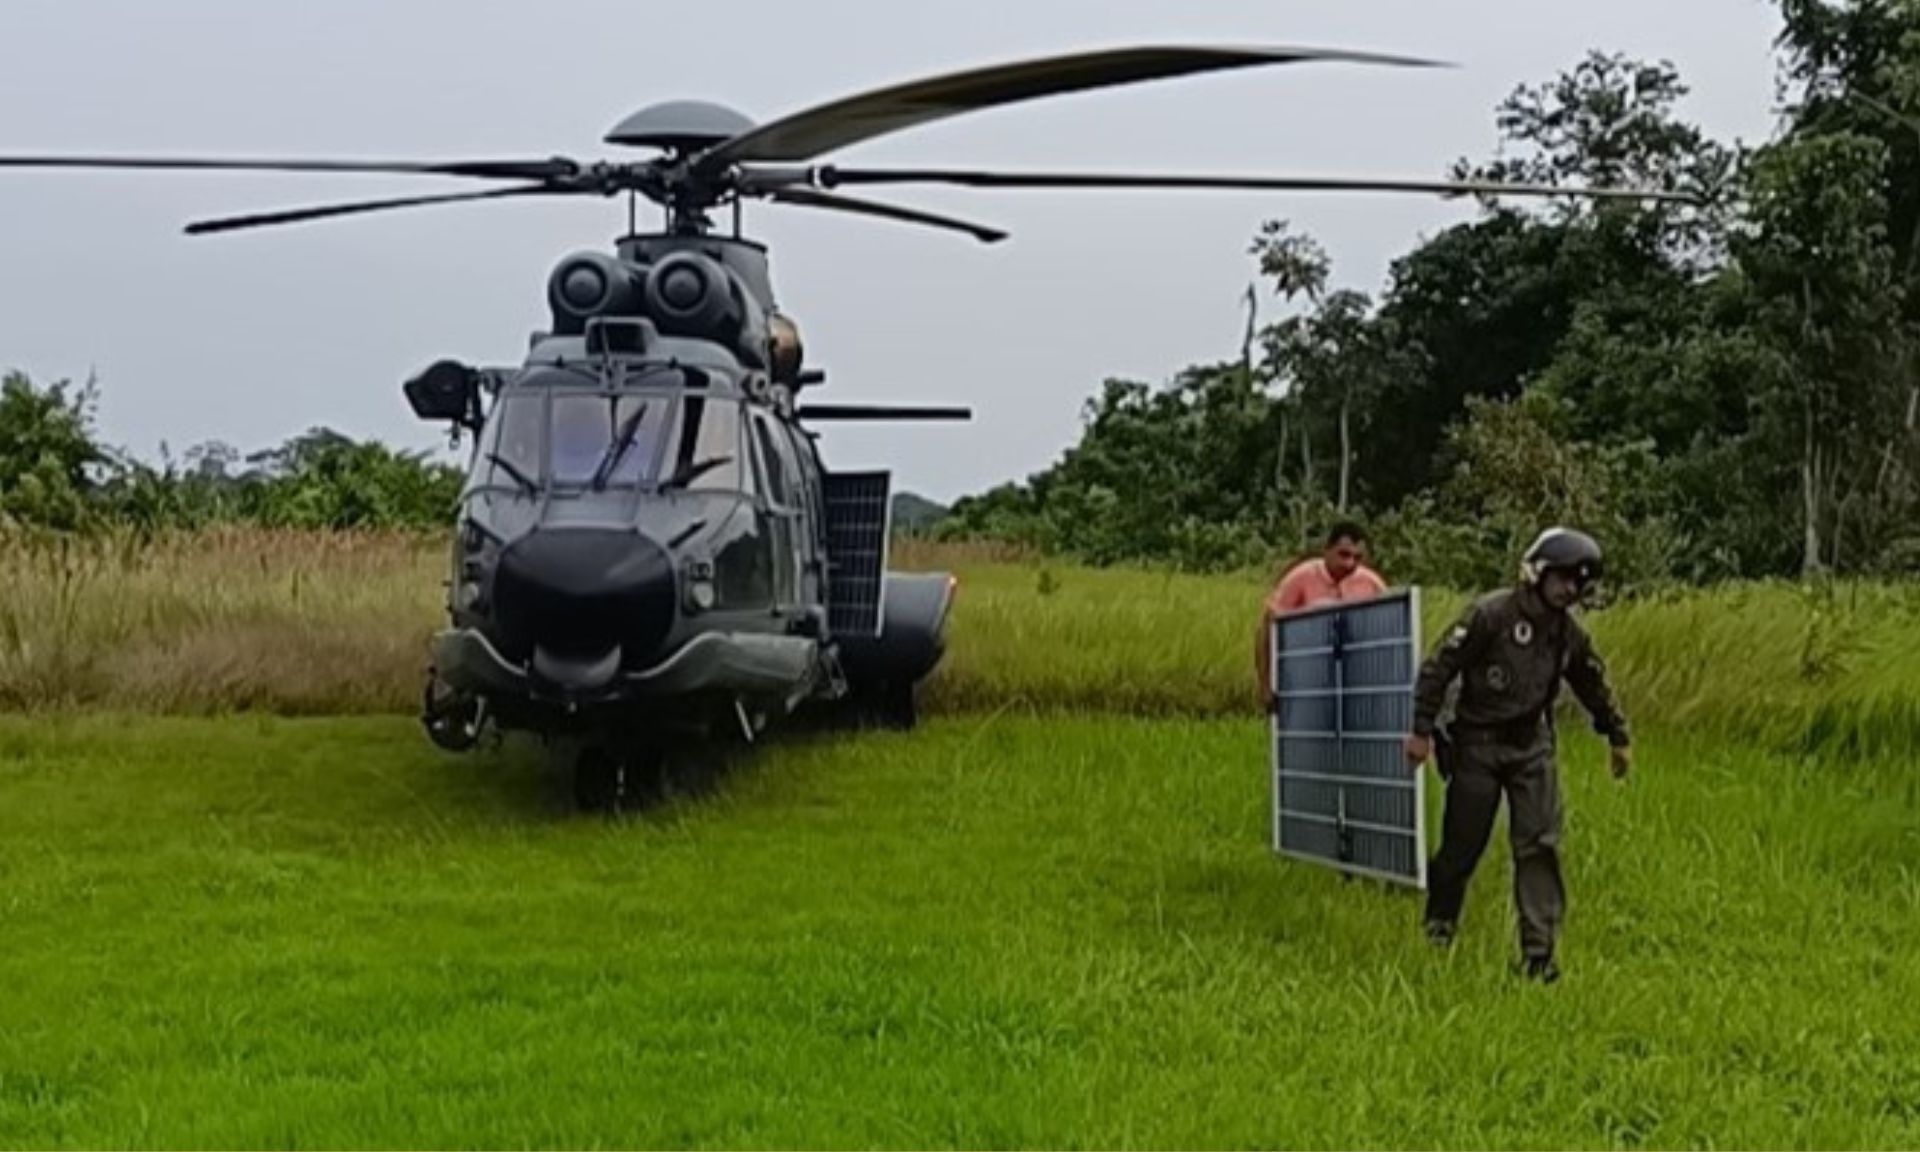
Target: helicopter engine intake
column 590, row 284
column 689, row 294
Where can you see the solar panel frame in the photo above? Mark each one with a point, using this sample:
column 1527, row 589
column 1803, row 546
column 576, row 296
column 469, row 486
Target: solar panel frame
column 859, row 507
column 1309, row 662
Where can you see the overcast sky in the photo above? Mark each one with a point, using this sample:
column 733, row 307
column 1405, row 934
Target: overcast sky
column 255, row 336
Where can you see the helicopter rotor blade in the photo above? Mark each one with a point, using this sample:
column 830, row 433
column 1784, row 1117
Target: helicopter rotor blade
column 553, row 168
column 880, row 412
column 825, row 127
column 829, row 176
column 322, row 211
column 810, row 198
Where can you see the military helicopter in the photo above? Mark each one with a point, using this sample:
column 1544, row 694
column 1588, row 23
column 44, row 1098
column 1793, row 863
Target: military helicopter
column 649, row 545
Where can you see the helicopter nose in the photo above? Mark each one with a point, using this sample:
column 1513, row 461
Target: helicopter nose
column 578, row 593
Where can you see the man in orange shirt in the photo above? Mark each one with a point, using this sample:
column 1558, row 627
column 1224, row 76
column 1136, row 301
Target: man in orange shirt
column 1338, row 573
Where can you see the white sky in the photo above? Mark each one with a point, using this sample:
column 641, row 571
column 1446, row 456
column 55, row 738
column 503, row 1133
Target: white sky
column 256, row 336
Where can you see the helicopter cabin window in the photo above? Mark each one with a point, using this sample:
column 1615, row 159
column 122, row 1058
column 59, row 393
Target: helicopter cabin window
column 814, row 471
column 781, row 481
column 748, row 560
column 784, row 493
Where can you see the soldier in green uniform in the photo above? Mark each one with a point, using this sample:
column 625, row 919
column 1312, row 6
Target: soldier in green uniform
column 1509, row 652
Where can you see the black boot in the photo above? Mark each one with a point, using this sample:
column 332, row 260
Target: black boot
column 1542, row 968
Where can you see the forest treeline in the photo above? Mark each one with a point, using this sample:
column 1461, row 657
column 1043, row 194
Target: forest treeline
column 1727, row 390
column 57, row 475
column 1721, row 390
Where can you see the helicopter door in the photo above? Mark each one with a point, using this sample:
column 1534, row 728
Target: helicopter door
column 783, row 494
column 812, row 529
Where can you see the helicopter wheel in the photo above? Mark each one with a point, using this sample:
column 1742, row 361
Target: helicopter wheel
column 611, row 781
column 894, row 706
column 599, row 780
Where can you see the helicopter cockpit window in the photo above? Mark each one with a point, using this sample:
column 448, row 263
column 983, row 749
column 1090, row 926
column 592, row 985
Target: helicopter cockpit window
column 704, row 448
column 512, row 445
column 609, row 439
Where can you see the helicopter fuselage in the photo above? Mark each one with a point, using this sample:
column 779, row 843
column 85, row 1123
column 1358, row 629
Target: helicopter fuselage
column 646, row 530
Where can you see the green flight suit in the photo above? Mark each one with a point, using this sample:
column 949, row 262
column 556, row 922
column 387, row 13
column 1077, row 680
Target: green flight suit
column 1509, row 652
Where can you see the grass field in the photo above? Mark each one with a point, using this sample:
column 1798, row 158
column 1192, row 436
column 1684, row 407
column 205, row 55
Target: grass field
column 1000, row 931
column 1050, row 917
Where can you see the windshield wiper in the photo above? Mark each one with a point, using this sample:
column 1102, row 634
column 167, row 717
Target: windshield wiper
column 687, row 475
column 623, row 439
column 502, row 463
column 618, row 448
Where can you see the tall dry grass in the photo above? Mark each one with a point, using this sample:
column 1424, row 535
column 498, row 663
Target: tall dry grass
column 320, row 623
column 227, row 619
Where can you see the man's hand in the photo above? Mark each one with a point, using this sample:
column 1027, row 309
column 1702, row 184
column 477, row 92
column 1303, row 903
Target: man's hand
column 1419, row 748
column 1622, row 762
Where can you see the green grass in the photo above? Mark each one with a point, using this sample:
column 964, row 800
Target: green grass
column 1048, row 918
column 1002, row 930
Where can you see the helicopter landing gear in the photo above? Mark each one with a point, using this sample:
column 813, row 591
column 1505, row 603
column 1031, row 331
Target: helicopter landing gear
column 453, row 719
column 891, row 704
column 900, row 708
column 615, row 780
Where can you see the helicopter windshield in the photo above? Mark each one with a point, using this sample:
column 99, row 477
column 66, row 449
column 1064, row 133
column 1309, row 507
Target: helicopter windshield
column 606, row 440
column 598, row 439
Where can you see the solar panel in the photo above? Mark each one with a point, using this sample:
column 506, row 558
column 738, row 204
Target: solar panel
column 1343, row 677
column 859, row 518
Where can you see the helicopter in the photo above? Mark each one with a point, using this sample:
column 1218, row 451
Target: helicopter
column 649, row 547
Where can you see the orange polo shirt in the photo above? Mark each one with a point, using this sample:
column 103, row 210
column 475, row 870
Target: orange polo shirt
column 1309, row 583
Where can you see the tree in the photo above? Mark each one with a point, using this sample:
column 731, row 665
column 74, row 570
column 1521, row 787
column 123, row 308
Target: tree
column 1336, row 360
column 1853, row 70
column 49, row 460
column 1610, row 122
column 1826, row 307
